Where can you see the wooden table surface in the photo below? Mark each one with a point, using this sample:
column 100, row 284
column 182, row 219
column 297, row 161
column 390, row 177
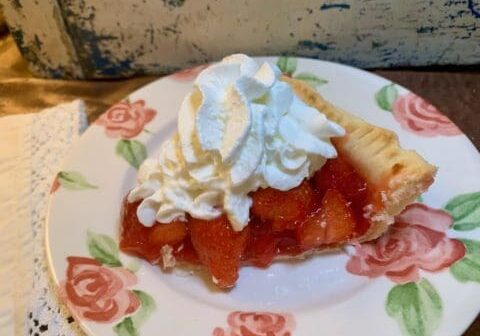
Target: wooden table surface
column 455, row 91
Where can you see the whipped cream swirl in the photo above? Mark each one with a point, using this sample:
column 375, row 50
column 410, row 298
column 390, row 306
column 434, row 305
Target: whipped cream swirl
column 240, row 129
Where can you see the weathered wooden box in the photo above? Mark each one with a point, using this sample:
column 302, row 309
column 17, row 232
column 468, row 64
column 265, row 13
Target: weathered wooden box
column 107, row 38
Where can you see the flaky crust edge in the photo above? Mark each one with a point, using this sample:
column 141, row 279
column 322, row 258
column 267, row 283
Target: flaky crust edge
column 400, row 175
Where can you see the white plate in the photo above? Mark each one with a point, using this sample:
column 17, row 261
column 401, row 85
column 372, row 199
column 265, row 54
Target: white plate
column 436, row 293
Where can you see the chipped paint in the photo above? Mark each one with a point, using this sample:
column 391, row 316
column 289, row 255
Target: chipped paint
column 98, row 39
column 474, row 6
column 95, row 61
column 425, row 29
column 311, row 45
column 335, row 6
column 173, row 3
column 33, row 53
column 42, row 41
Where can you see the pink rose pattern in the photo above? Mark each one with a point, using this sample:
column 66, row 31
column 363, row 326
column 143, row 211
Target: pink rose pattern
column 257, row 324
column 97, row 293
column 420, row 117
column 188, row 75
column 417, row 240
column 126, row 120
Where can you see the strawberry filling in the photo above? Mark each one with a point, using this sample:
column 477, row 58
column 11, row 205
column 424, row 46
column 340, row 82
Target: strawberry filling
column 325, row 210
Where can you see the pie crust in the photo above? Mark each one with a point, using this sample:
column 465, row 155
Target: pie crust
column 399, row 175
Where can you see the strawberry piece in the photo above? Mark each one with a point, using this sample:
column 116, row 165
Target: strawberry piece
column 260, row 249
column 134, row 237
column 283, row 209
column 286, row 243
column 332, row 223
column 340, row 175
column 219, row 248
column 146, row 242
column 167, row 234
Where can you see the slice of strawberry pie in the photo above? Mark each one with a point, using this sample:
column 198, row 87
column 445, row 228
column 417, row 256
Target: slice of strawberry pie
column 262, row 168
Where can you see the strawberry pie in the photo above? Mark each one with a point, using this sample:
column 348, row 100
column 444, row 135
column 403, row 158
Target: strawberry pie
column 262, row 168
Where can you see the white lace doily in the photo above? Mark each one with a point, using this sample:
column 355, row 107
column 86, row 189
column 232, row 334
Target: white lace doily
column 32, row 149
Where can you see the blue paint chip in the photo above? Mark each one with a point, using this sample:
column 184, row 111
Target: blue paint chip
column 102, row 63
column 173, row 3
column 376, row 44
column 335, row 6
column 95, row 61
column 32, row 54
column 474, row 7
column 17, row 35
column 425, row 29
column 311, row 45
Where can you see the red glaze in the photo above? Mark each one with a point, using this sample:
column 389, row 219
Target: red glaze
column 218, row 247
column 332, row 223
column 285, row 210
column 340, row 175
column 146, row 242
column 325, row 210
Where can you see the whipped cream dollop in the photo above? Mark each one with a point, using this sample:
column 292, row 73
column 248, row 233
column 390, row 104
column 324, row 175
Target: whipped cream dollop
column 240, row 129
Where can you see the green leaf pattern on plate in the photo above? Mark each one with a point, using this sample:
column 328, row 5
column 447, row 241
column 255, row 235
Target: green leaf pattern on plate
column 103, row 249
column 133, row 151
column 465, row 210
column 386, row 97
column 288, row 66
column 126, row 328
column 73, row 180
column 129, row 326
column 147, row 307
column 417, row 307
column 468, row 269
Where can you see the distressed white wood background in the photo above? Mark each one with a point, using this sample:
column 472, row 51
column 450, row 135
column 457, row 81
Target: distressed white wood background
column 102, row 38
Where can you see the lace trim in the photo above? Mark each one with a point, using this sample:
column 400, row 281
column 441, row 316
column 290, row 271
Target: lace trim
column 43, row 140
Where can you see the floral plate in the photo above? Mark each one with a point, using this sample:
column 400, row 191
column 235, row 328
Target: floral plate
column 421, row 278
